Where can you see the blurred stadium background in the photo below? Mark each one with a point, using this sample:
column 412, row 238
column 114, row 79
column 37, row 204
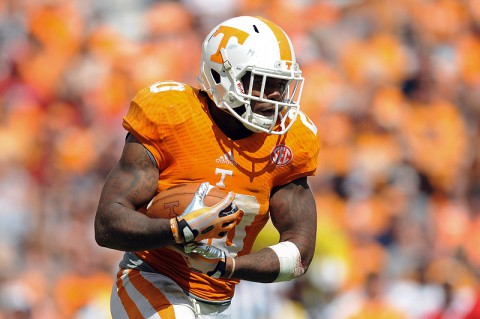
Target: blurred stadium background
column 392, row 85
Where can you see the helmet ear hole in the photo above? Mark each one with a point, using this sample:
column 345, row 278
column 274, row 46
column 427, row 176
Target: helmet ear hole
column 215, row 75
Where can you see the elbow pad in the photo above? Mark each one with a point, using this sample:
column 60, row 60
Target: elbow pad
column 290, row 261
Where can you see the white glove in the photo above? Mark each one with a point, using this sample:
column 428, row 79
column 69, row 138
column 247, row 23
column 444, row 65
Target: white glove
column 200, row 222
column 207, row 259
column 204, row 259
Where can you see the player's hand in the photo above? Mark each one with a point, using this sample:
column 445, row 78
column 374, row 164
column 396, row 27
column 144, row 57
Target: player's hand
column 206, row 259
column 200, row 222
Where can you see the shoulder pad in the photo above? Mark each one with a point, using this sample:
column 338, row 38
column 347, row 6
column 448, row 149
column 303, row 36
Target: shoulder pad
column 166, row 102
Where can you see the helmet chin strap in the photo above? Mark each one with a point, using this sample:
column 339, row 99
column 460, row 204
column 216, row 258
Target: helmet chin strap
column 265, row 122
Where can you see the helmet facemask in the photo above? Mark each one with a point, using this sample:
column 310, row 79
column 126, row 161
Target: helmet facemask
column 285, row 108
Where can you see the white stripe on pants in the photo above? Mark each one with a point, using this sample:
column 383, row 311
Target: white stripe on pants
column 146, row 295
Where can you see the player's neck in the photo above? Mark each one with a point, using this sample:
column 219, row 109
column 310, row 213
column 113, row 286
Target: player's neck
column 229, row 125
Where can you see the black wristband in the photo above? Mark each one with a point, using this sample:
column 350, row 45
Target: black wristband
column 188, row 235
column 219, row 271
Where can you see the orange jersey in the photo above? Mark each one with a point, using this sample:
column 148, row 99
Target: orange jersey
column 172, row 121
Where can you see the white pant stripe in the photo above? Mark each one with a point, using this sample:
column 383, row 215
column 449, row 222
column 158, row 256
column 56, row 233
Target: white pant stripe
column 183, row 306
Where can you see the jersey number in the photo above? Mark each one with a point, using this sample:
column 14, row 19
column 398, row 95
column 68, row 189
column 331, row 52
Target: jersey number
column 167, row 86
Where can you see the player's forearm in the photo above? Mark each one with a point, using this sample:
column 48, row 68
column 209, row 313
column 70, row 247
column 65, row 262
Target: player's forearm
column 121, row 228
column 262, row 266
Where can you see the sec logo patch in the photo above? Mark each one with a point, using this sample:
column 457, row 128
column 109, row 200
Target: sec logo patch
column 281, row 155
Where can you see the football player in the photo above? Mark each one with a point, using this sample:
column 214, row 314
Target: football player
column 243, row 132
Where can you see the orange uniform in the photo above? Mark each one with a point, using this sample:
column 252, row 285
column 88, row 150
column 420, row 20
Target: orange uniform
column 172, row 121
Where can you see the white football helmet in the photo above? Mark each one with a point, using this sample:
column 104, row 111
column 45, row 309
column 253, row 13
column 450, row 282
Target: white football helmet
column 260, row 47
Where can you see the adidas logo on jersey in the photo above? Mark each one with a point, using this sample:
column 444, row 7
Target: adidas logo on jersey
column 226, row 158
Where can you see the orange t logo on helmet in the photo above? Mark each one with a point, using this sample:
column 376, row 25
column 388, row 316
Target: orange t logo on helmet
column 228, row 32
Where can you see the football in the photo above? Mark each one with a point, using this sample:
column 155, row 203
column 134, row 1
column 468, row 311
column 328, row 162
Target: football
column 173, row 201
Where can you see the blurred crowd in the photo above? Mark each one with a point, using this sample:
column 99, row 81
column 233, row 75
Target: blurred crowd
column 392, row 85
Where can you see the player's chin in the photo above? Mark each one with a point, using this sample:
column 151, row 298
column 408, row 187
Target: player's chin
column 266, row 111
column 268, row 115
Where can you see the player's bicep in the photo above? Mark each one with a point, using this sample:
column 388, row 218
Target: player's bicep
column 293, row 213
column 133, row 180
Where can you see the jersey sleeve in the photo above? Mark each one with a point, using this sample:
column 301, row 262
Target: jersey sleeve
column 305, row 145
column 153, row 114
